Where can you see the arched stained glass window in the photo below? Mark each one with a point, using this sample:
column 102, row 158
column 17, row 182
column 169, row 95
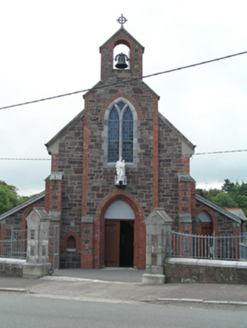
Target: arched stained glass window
column 121, row 105
column 127, row 136
column 113, row 139
column 120, row 133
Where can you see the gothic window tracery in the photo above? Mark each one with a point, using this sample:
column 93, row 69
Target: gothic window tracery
column 120, row 133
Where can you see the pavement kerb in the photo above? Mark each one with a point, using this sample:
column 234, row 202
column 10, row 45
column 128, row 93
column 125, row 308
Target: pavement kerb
column 194, row 300
column 17, row 290
column 61, row 278
column 225, row 298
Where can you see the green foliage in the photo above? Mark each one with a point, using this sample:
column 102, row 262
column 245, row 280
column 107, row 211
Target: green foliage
column 9, row 197
column 229, row 186
column 224, row 200
column 230, row 195
column 23, row 199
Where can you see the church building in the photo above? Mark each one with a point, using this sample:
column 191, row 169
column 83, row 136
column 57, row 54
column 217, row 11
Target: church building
column 113, row 164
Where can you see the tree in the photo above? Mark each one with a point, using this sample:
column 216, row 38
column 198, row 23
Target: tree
column 224, row 200
column 9, row 197
column 230, row 195
column 229, row 186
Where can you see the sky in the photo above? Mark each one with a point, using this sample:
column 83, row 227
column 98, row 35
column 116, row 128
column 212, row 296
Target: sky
column 51, row 47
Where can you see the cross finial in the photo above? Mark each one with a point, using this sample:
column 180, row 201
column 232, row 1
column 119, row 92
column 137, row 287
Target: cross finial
column 122, row 20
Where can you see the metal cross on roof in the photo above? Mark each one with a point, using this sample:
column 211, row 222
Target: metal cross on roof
column 122, row 20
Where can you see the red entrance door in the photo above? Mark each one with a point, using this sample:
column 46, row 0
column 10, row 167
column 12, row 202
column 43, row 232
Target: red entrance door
column 112, row 243
column 207, row 228
column 207, row 243
column 119, row 243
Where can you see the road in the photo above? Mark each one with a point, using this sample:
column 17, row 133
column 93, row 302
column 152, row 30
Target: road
column 30, row 311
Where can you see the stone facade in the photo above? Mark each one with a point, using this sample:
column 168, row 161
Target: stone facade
column 67, row 158
column 80, row 152
column 81, row 188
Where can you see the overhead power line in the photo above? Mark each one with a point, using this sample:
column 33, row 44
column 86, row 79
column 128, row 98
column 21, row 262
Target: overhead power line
column 222, row 152
column 48, row 159
column 125, row 81
column 25, row 159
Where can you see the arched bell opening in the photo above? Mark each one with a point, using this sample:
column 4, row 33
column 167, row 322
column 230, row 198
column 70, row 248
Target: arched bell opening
column 121, row 56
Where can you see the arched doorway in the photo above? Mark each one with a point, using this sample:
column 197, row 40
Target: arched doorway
column 204, row 224
column 204, row 227
column 119, row 235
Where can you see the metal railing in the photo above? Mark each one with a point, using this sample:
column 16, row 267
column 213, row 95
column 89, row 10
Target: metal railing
column 14, row 244
column 208, row 247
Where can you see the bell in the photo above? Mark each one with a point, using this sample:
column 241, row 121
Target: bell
column 121, row 61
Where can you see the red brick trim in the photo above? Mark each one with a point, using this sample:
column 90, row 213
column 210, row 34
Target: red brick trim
column 54, row 161
column 211, row 213
column 155, row 153
column 186, row 162
column 87, row 230
column 121, row 39
column 139, row 229
column 2, row 235
column 184, row 194
column 65, row 238
column 118, row 95
column 86, row 160
column 53, row 188
column 236, row 231
column 2, row 230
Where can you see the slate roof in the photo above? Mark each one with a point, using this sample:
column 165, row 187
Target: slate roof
column 218, row 209
column 19, row 207
column 238, row 212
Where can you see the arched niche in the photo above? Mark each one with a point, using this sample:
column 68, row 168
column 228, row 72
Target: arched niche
column 71, row 245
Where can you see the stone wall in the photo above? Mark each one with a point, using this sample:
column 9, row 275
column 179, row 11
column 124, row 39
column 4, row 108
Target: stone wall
column 69, row 161
column 98, row 176
column 100, row 179
column 170, row 163
column 11, row 267
column 178, row 270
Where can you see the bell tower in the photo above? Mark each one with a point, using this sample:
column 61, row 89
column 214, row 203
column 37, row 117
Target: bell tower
column 133, row 60
column 120, row 124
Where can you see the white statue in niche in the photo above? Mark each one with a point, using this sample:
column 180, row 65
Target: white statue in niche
column 120, row 168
